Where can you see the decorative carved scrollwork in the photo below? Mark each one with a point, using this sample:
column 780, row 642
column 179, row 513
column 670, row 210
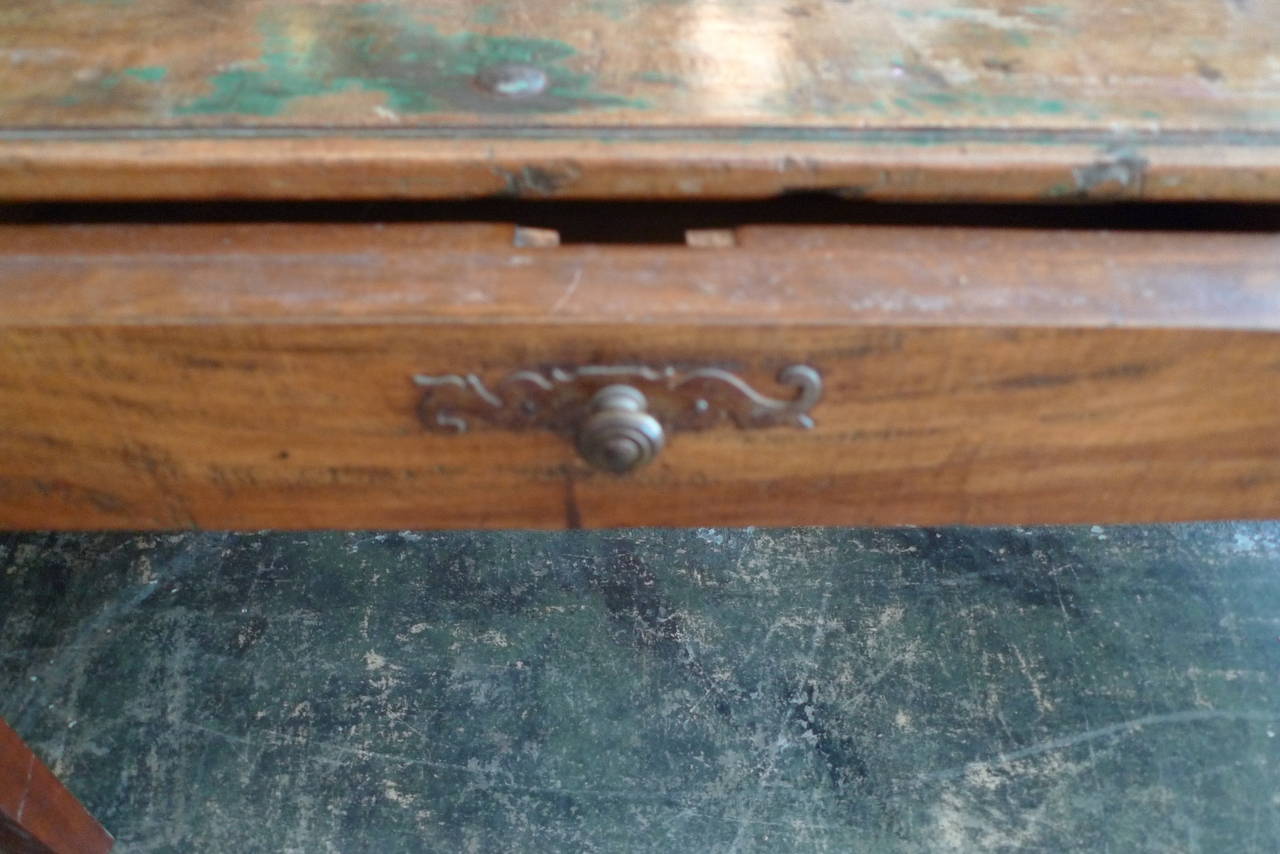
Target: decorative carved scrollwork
column 559, row 399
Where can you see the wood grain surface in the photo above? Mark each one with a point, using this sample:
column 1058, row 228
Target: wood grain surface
column 640, row 98
column 261, row 376
column 37, row 813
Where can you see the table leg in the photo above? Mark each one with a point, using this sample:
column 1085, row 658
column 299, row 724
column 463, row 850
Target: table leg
column 37, row 813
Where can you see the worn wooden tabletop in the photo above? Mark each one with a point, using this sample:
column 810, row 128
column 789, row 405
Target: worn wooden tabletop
column 1168, row 99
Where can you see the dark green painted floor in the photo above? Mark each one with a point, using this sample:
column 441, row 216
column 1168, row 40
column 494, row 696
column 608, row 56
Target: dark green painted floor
column 656, row 691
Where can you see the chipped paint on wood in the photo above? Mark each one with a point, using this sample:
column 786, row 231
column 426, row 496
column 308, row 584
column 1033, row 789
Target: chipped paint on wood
column 747, row 63
column 149, row 74
column 645, row 96
column 377, row 47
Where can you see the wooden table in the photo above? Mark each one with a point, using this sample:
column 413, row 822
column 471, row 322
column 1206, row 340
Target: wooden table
column 191, row 362
column 225, row 340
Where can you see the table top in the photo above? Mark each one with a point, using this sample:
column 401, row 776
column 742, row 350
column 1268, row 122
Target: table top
column 994, row 99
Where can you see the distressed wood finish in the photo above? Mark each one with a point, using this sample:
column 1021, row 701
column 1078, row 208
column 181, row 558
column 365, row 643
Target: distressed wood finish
column 942, row 168
column 37, row 813
column 233, row 377
column 889, row 99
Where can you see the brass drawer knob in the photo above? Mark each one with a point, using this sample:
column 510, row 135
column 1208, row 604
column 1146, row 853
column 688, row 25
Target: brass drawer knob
column 619, row 435
column 618, row 415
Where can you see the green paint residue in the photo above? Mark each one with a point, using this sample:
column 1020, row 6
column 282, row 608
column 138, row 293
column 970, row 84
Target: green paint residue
column 907, row 106
column 617, row 10
column 1044, row 11
column 487, row 14
column 614, row 10
column 998, row 105
column 936, row 14
column 660, row 78
column 381, row 48
column 148, row 73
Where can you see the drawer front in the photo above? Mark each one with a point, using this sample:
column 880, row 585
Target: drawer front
column 229, row 377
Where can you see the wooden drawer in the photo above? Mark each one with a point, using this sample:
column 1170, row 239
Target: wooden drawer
column 248, row 376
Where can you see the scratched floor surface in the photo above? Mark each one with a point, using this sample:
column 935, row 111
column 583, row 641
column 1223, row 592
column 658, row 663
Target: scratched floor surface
column 656, row 691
